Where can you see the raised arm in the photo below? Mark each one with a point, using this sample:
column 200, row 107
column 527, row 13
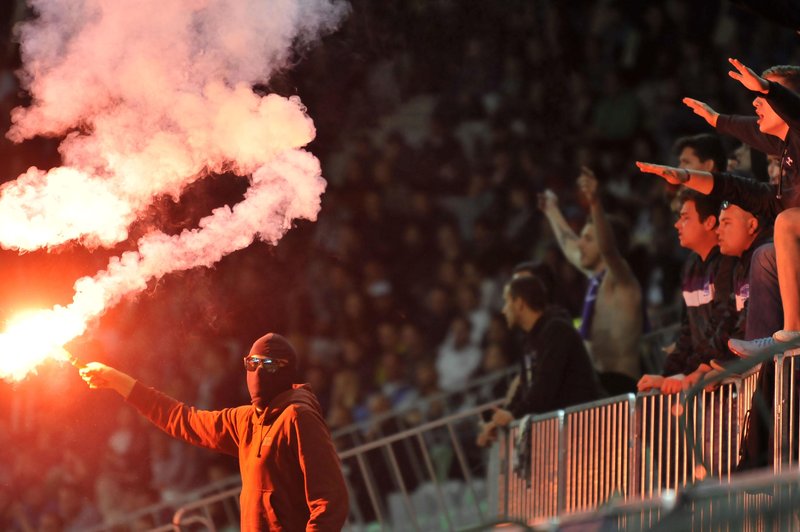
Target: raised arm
column 702, row 182
column 618, row 268
column 744, row 128
column 213, row 430
column 565, row 236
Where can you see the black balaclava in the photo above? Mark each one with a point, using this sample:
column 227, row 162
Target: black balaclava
column 264, row 386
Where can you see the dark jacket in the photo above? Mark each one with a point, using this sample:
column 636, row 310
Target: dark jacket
column 741, row 285
column 291, row 478
column 556, row 369
column 708, row 304
column 760, row 198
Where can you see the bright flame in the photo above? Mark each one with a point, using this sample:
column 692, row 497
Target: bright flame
column 150, row 96
column 31, row 337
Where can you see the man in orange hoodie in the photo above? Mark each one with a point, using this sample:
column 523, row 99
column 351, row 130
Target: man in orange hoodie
column 291, row 477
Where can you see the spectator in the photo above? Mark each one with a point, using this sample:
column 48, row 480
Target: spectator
column 612, row 334
column 458, row 357
column 555, row 370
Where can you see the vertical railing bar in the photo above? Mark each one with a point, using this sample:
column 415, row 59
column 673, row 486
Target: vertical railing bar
column 439, row 495
column 402, row 485
column 370, row 487
column 462, row 461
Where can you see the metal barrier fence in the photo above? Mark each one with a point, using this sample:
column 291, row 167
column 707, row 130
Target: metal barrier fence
column 785, row 414
column 476, row 392
column 618, row 449
column 163, row 512
column 758, row 501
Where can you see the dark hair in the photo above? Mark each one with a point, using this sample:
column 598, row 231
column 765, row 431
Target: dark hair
column 706, row 205
column 531, row 289
column 706, row 146
column 789, row 74
column 540, row 270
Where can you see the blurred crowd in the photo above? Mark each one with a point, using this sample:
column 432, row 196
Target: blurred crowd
column 438, row 123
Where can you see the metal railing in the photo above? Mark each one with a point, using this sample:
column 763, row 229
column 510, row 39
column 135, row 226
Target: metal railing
column 785, row 412
column 398, row 420
column 161, row 512
column 618, row 449
column 758, row 501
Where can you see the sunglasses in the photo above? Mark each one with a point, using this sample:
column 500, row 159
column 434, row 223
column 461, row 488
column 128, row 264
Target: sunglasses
column 270, row 365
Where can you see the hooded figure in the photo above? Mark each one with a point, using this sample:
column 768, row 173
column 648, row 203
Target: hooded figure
column 266, row 382
column 291, row 476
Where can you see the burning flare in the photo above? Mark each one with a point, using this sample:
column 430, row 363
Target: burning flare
column 151, row 96
column 32, row 337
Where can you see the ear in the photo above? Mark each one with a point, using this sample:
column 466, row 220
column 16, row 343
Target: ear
column 752, row 225
column 710, row 223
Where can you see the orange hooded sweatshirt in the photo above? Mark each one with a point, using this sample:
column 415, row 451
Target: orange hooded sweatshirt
column 291, row 476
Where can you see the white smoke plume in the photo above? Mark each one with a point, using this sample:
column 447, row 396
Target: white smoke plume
column 151, row 95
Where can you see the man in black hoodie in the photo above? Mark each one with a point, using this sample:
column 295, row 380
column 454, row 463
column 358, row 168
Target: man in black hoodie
column 556, row 371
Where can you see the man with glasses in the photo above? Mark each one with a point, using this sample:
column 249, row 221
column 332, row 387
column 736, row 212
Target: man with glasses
column 291, row 477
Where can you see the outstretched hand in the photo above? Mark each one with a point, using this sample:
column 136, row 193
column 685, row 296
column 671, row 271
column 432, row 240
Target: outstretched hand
column 670, row 174
column 703, row 110
column 98, row 375
column 587, row 183
column 747, row 77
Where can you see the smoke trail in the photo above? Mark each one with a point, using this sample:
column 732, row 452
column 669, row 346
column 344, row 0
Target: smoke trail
column 150, row 95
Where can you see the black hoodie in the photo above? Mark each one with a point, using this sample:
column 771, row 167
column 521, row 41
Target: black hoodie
column 556, row 369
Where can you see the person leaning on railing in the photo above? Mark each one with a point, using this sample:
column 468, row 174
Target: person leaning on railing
column 776, row 131
column 556, row 371
column 291, row 476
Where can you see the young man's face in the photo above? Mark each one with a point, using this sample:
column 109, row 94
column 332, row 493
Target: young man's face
column 737, row 230
column 692, row 233
column 768, row 120
column 590, row 250
column 689, row 160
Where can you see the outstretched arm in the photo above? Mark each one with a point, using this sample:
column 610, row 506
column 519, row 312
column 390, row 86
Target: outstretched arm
column 744, row 128
column 617, row 267
column 565, row 236
column 215, row 430
column 702, row 182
